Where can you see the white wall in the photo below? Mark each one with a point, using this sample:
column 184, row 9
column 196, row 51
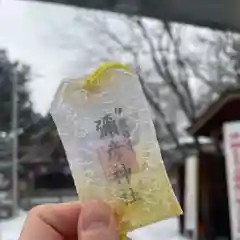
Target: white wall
column 190, row 198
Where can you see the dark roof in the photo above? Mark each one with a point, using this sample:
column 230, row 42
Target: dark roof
column 224, row 109
column 218, row 14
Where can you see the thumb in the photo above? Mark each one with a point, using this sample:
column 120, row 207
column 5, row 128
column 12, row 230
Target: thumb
column 97, row 222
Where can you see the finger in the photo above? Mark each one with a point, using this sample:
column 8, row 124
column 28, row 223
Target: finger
column 97, row 222
column 52, row 221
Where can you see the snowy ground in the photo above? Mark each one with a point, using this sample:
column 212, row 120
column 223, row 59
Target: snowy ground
column 167, row 230
column 10, row 229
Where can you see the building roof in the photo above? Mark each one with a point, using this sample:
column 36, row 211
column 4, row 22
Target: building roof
column 224, row 109
column 219, row 14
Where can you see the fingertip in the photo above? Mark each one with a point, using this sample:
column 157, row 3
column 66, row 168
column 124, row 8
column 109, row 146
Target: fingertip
column 97, row 221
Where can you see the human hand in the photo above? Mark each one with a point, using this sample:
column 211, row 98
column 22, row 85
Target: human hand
column 70, row 221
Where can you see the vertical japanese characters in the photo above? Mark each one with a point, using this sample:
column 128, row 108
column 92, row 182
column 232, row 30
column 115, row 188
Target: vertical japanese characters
column 118, row 158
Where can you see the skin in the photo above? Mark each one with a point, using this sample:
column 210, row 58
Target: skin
column 70, row 221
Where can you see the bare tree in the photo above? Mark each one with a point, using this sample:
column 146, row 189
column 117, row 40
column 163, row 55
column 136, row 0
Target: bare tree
column 218, row 66
column 153, row 48
column 159, row 53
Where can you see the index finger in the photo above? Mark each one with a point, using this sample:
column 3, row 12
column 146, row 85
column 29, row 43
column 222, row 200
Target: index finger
column 52, row 221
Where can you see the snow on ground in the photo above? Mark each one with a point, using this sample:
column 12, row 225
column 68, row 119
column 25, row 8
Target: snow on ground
column 167, row 230
column 10, row 229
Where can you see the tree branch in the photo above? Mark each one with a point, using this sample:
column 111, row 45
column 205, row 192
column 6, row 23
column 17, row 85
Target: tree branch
column 165, row 73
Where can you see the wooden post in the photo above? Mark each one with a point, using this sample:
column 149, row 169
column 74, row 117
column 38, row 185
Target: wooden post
column 181, row 181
